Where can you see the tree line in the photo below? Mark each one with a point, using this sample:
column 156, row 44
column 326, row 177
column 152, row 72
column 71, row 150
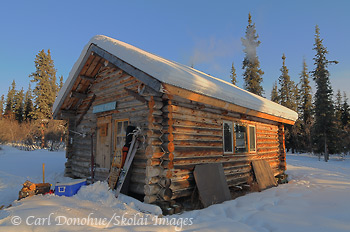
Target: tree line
column 323, row 125
column 26, row 116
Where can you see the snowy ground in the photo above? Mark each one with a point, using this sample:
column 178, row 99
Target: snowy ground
column 316, row 199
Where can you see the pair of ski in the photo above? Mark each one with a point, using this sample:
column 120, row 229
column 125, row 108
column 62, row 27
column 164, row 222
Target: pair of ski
column 118, row 174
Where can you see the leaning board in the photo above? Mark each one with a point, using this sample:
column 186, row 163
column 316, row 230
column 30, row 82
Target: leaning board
column 211, row 184
column 263, row 174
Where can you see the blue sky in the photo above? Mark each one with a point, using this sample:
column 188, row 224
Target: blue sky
column 204, row 33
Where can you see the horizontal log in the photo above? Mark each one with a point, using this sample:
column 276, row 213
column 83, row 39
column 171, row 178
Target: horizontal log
column 176, row 185
column 156, row 112
column 152, row 189
column 153, row 162
column 264, row 132
column 152, row 126
column 91, row 79
column 155, row 104
column 263, row 139
column 181, row 137
column 270, row 144
column 196, row 143
column 154, row 98
column 108, row 92
column 183, row 193
column 234, row 176
column 168, row 146
column 179, row 101
column 155, row 119
column 267, row 127
column 112, row 82
column 192, row 131
column 152, row 171
column 165, row 194
column 154, row 152
column 167, row 137
column 182, row 112
column 153, row 133
column 197, row 153
column 267, row 155
column 238, row 181
column 135, row 95
column 276, row 149
column 130, row 104
column 164, row 182
column 150, row 199
column 191, row 124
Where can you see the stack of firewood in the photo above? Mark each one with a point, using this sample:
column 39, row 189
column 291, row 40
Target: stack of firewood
column 30, row 189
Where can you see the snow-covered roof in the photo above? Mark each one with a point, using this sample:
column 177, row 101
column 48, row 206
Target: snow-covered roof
column 179, row 75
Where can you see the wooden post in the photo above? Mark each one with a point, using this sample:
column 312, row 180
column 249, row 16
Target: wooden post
column 43, row 172
column 92, row 158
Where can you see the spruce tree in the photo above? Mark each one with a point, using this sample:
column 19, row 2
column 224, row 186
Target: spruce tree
column 46, row 87
column 339, row 142
column 296, row 129
column 9, row 108
column 286, row 92
column 60, row 83
column 345, row 119
column 274, row 93
column 287, row 98
column 28, row 105
column 306, row 109
column 19, row 105
column 338, row 106
column 345, row 116
column 324, row 131
column 2, row 103
column 233, row 75
column 252, row 73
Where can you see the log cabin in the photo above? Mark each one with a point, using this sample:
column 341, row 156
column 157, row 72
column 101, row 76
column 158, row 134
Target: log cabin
column 186, row 118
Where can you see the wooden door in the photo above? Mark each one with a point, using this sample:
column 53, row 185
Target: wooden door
column 104, row 142
column 120, row 126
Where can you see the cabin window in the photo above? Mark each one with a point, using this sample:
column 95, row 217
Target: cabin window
column 252, row 138
column 240, row 138
column 227, row 134
column 120, row 126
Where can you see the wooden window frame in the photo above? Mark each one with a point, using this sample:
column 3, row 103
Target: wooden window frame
column 249, row 142
column 116, row 130
column 233, row 139
column 223, row 137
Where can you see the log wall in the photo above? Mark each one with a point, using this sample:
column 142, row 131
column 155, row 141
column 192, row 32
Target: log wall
column 195, row 131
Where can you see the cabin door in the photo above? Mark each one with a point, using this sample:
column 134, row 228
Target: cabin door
column 104, row 142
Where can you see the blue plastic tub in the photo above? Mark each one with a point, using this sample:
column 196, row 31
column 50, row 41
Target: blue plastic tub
column 69, row 189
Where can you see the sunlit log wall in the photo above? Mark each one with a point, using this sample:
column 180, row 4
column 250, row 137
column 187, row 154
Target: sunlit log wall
column 177, row 134
column 195, row 131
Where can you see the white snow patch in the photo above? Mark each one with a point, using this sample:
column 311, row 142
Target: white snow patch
column 316, row 199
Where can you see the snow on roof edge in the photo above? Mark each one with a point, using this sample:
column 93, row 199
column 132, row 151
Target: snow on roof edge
column 179, row 75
